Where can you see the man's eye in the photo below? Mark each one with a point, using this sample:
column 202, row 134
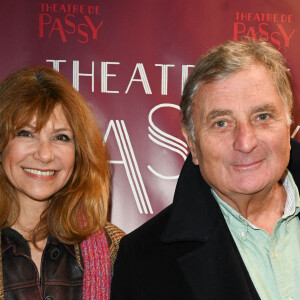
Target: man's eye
column 263, row 117
column 62, row 137
column 221, row 123
column 24, row 132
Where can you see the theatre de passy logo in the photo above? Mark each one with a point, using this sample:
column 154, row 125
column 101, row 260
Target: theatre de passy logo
column 276, row 28
column 66, row 21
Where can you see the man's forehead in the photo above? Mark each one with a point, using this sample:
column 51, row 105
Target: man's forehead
column 229, row 98
column 247, row 80
column 254, row 82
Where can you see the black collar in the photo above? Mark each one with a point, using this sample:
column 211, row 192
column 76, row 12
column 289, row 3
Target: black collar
column 12, row 238
column 194, row 209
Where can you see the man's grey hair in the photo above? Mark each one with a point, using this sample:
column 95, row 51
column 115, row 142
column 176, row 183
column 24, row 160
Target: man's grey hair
column 230, row 57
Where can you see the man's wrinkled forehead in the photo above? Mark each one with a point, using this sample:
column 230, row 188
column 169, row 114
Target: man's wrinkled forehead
column 234, row 92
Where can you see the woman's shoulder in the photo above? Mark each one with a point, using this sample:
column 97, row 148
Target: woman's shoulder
column 113, row 233
column 113, row 236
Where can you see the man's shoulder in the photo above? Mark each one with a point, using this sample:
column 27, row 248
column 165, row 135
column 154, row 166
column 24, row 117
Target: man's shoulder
column 151, row 230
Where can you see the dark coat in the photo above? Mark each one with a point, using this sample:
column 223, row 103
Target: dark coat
column 186, row 251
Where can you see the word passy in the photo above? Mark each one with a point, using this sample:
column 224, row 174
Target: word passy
column 64, row 21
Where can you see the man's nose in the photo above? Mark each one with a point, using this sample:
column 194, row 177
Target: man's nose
column 245, row 139
column 44, row 151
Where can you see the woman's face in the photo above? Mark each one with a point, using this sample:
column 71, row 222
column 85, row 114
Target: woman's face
column 38, row 164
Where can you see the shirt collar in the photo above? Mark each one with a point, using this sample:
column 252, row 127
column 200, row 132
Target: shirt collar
column 292, row 206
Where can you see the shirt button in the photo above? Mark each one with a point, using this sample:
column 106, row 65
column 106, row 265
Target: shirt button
column 276, row 254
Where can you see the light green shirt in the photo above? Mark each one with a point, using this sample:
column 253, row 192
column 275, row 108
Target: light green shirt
column 273, row 262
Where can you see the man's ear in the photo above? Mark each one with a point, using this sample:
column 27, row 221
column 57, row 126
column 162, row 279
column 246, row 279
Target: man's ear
column 191, row 144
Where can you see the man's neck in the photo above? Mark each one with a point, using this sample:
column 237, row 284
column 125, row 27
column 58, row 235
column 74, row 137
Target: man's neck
column 263, row 209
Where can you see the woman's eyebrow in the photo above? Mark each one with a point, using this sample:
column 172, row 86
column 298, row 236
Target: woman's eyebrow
column 63, row 129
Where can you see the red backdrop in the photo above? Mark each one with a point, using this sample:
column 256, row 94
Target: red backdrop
column 129, row 59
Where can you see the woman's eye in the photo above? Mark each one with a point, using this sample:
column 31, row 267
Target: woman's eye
column 62, row 137
column 24, row 132
column 221, row 123
column 263, row 117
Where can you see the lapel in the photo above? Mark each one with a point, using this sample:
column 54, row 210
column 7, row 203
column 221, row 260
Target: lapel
column 213, row 267
column 294, row 164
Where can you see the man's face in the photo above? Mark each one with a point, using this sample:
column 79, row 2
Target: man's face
column 242, row 140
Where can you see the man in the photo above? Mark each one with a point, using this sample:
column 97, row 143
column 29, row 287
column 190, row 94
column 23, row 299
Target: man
column 233, row 230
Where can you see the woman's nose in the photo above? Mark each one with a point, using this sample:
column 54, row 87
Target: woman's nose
column 44, row 151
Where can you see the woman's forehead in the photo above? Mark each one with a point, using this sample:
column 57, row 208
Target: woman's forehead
column 39, row 119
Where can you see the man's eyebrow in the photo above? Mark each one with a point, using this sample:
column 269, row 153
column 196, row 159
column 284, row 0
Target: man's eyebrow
column 218, row 113
column 264, row 108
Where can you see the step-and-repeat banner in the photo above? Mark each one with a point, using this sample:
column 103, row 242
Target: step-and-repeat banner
column 130, row 58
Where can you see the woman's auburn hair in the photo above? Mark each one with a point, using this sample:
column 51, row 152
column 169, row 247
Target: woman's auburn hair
column 80, row 208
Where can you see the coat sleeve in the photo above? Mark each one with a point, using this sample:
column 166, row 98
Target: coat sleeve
column 124, row 283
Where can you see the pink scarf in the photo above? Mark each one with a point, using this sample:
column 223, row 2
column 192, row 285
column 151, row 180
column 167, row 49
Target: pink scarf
column 97, row 270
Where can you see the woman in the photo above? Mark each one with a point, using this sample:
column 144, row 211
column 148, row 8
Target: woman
column 56, row 242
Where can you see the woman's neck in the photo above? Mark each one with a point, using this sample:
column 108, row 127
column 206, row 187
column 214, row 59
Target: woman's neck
column 29, row 216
